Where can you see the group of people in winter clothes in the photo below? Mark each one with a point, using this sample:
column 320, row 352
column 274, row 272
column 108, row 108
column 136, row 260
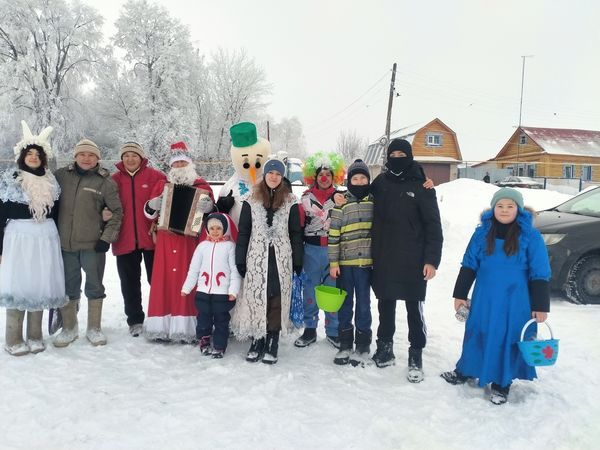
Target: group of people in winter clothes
column 237, row 278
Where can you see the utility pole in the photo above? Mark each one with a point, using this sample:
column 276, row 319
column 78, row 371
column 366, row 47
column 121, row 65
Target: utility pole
column 268, row 131
column 521, row 109
column 390, row 102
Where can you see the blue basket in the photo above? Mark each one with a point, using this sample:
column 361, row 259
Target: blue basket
column 538, row 352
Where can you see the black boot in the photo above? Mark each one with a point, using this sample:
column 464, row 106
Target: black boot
column 342, row 357
column 271, row 347
column 308, row 337
column 499, row 395
column 454, row 377
column 415, row 365
column 384, row 355
column 257, row 350
column 360, row 355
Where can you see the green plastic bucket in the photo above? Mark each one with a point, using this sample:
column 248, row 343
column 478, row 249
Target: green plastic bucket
column 329, row 299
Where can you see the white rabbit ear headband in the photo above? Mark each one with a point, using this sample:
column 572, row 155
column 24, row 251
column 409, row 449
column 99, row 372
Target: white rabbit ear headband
column 29, row 139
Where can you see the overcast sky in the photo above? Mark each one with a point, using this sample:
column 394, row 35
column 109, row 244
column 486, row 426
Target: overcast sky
column 329, row 62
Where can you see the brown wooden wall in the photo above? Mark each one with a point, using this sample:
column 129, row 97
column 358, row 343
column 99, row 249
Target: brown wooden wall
column 449, row 147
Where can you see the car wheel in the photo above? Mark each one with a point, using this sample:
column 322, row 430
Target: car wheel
column 583, row 282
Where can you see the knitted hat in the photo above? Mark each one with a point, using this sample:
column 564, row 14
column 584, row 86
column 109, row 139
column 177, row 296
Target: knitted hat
column 358, row 166
column 276, row 165
column 321, row 160
column 509, row 193
column 400, row 144
column 29, row 139
column 85, row 145
column 179, row 152
column 132, row 147
column 217, row 218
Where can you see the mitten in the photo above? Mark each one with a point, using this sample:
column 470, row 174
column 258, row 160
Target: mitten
column 101, row 246
column 205, row 204
column 224, row 204
column 154, row 203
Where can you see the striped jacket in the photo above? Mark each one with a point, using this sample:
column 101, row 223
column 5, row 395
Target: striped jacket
column 350, row 233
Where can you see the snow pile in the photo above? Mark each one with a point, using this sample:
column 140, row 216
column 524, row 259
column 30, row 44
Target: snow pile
column 136, row 394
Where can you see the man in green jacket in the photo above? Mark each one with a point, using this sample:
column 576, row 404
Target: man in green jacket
column 86, row 189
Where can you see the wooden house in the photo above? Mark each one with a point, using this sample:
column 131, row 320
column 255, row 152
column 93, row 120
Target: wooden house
column 435, row 147
column 553, row 153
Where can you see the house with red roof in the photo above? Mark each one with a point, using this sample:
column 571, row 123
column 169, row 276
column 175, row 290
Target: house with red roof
column 552, row 152
column 435, row 147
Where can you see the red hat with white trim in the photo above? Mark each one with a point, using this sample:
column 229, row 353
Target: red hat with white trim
column 179, row 152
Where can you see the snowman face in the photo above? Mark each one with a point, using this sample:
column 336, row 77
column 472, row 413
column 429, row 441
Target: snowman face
column 248, row 161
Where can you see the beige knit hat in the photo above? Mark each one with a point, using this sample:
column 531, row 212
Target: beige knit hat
column 85, row 145
column 132, row 147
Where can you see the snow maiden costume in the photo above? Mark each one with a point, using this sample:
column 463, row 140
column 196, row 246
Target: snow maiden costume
column 507, row 290
column 29, row 244
column 248, row 154
column 269, row 246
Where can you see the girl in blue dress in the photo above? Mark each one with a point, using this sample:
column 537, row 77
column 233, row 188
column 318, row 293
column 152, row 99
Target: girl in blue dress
column 508, row 258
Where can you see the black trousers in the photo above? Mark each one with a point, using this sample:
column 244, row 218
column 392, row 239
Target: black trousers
column 213, row 317
column 130, row 273
column 417, row 331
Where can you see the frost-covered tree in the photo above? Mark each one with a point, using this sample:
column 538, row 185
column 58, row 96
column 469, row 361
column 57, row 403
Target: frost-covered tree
column 287, row 136
column 48, row 49
column 350, row 145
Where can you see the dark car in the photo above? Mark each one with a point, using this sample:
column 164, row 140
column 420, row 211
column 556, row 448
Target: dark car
column 571, row 232
column 520, row 182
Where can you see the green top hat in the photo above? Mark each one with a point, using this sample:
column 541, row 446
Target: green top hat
column 243, row 134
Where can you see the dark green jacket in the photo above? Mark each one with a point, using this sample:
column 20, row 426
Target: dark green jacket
column 82, row 199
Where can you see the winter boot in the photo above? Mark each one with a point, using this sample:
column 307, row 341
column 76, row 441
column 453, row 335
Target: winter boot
column 454, row 377
column 136, row 329
column 360, row 356
column 35, row 340
column 415, row 365
column 256, row 351
column 499, row 395
column 14, row 333
column 342, row 357
column 334, row 340
column 94, row 332
column 70, row 326
column 204, row 344
column 217, row 354
column 384, row 355
column 308, row 337
column 272, row 347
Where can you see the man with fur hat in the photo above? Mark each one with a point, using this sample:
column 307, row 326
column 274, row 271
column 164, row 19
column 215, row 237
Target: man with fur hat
column 135, row 180
column 85, row 238
column 29, row 238
column 170, row 316
column 248, row 154
column 406, row 248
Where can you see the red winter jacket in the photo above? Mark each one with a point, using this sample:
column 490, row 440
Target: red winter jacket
column 134, row 192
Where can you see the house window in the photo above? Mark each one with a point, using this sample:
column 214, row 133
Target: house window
column 531, row 170
column 568, row 171
column 433, row 140
column 586, row 173
column 522, row 139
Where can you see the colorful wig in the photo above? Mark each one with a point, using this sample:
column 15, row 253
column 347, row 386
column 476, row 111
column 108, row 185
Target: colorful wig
column 322, row 160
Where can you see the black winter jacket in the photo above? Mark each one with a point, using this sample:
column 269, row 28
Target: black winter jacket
column 406, row 234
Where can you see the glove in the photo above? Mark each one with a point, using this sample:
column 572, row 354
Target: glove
column 154, row 203
column 205, row 204
column 241, row 269
column 298, row 270
column 101, row 246
column 224, row 204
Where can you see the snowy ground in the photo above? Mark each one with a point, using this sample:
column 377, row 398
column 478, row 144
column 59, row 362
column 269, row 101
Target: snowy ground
column 136, row 394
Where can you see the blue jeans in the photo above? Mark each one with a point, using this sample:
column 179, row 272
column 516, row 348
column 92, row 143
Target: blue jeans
column 316, row 268
column 213, row 317
column 356, row 280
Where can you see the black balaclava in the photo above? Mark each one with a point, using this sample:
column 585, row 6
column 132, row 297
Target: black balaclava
column 398, row 165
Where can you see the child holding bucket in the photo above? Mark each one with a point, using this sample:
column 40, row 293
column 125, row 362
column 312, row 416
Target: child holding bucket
column 508, row 258
column 349, row 253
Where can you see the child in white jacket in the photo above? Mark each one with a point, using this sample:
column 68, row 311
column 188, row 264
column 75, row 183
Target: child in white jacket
column 218, row 284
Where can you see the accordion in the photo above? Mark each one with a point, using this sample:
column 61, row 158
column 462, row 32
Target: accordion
column 178, row 210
